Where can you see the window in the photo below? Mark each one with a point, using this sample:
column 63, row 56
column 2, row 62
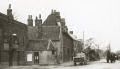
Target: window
column 29, row 57
column 6, row 44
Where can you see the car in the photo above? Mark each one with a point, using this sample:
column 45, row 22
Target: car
column 80, row 58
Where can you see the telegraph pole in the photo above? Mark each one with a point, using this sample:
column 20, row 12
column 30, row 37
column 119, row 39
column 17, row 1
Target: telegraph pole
column 83, row 40
column 109, row 47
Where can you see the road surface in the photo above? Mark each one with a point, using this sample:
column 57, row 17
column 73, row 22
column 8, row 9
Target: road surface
column 92, row 65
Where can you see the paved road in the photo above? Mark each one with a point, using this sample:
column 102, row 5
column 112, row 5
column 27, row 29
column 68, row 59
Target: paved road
column 92, row 65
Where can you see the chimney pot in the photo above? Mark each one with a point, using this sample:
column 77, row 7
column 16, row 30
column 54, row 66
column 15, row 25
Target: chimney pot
column 71, row 32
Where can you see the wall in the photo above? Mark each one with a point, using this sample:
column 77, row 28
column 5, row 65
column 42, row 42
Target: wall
column 58, row 45
column 0, row 41
column 67, row 47
column 45, row 57
column 9, row 28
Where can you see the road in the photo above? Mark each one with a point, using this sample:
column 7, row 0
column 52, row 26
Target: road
column 92, row 65
column 95, row 65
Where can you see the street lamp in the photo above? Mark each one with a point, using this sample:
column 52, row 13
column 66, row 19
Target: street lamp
column 13, row 42
column 14, row 34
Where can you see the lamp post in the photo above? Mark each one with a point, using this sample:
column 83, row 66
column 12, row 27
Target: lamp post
column 12, row 43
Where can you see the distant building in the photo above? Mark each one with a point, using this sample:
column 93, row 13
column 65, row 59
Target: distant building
column 78, row 43
column 68, row 47
column 13, row 40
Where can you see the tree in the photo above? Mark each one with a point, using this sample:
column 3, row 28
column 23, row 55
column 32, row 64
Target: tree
column 118, row 52
column 92, row 49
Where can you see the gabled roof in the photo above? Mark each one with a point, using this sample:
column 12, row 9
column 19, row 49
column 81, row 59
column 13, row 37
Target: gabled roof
column 51, row 32
column 72, row 36
column 50, row 21
column 40, row 45
column 14, row 22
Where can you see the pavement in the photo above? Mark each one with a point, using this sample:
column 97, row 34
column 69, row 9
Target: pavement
column 37, row 66
column 28, row 67
column 65, row 64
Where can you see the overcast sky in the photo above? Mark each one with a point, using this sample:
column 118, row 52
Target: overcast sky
column 99, row 19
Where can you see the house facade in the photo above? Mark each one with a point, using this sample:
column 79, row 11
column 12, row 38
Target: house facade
column 77, row 44
column 47, row 42
column 64, row 44
column 40, row 52
column 67, row 47
column 54, row 29
column 13, row 40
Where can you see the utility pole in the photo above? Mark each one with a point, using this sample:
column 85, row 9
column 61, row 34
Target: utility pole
column 109, row 47
column 83, row 40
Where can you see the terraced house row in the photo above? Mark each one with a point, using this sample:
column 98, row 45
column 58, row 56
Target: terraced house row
column 48, row 42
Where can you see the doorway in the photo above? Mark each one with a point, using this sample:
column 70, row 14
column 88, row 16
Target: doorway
column 36, row 57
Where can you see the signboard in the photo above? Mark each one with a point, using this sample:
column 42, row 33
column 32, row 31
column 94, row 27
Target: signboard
column 29, row 57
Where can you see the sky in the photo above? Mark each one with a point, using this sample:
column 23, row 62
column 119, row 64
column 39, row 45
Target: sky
column 99, row 19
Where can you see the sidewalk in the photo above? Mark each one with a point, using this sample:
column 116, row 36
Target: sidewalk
column 65, row 64
column 29, row 67
column 38, row 66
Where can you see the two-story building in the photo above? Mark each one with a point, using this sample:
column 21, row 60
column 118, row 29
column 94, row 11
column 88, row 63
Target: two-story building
column 57, row 31
column 39, row 51
column 54, row 29
column 13, row 40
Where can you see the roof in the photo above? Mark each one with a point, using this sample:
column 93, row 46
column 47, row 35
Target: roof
column 15, row 22
column 51, row 20
column 51, row 32
column 40, row 45
column 32, row 32
column 71, row 35
column 48, row 32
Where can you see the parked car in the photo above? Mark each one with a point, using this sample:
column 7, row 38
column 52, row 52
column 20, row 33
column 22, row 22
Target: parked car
column 80, row 58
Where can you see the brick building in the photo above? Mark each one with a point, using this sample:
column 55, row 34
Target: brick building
column 13, row 40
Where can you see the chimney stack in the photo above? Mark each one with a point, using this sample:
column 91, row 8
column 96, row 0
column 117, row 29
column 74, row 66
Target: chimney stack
column 38, row 21
column 63, row 21
column 9, row 12
column 71, row 32
column 30, row 20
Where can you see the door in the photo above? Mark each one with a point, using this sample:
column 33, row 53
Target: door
column 36, row 57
